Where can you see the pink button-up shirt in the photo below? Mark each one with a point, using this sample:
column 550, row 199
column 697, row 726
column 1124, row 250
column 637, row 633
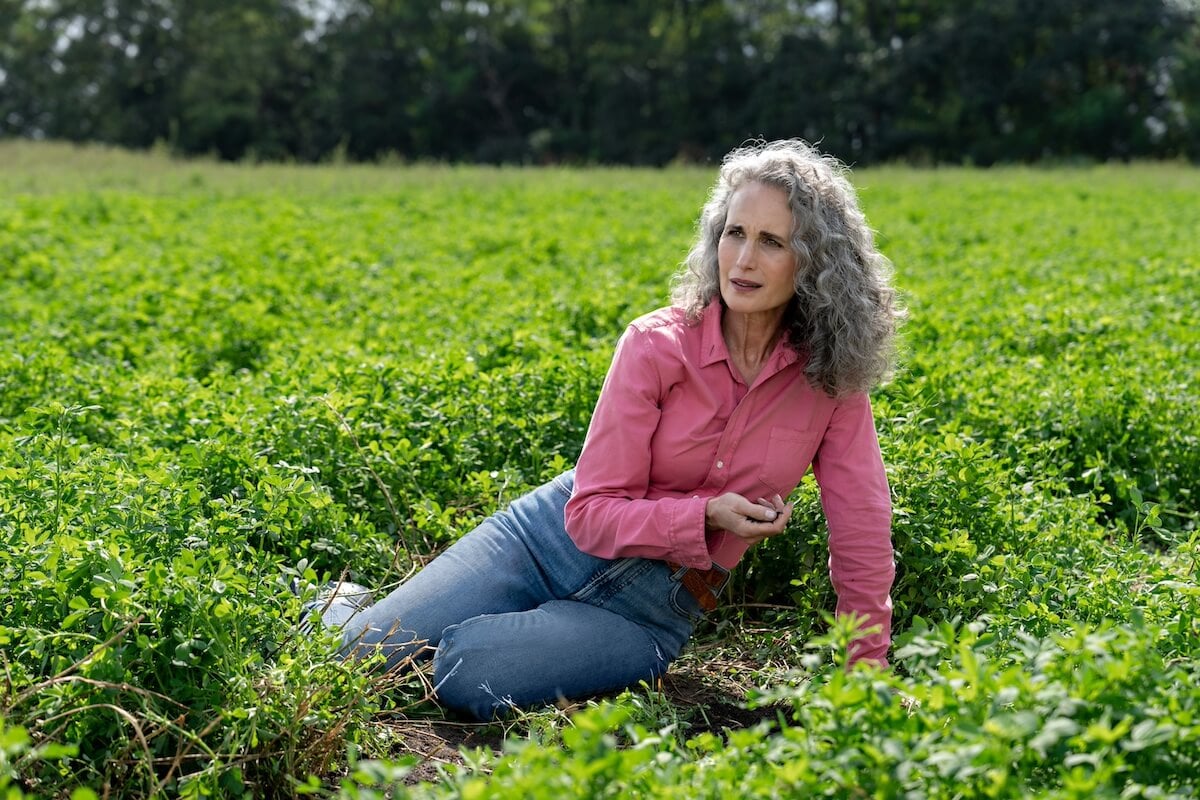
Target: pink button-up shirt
column 676, row 424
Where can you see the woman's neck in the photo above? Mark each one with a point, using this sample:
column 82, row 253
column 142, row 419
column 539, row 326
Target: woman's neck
column 750, row 339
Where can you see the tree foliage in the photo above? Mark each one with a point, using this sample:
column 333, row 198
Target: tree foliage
column 606, row 81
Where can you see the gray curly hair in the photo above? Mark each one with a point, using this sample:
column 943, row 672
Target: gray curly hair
column 843, row 318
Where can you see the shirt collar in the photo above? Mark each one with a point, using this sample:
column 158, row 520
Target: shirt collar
column 713, row 348
column 712, row 342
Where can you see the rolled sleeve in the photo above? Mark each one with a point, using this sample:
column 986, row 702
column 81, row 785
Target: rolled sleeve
column 857, row 503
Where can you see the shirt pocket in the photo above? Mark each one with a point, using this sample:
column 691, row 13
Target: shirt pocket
column 789, row 453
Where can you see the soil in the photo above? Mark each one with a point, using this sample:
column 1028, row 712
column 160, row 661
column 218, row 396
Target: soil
column 705, row 702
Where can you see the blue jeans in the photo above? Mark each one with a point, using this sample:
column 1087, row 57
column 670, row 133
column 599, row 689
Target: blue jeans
column 516, row 615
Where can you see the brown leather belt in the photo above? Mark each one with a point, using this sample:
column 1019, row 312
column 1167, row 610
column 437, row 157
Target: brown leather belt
column 703, row 584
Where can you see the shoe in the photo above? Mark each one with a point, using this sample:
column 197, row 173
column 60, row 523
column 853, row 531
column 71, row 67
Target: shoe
column 352, row 594
column 336, row 603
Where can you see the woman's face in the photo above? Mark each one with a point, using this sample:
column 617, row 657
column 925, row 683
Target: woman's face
column 757, row 265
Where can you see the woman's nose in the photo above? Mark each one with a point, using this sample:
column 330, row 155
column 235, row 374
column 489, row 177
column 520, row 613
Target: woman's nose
column 745, row 256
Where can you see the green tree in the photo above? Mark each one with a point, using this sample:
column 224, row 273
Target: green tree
column 1022, row 80
column 1181, row 116
column 27, row 102
column 607, row 81
column 246, row 81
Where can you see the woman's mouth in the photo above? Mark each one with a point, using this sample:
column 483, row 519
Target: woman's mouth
column 744, row 284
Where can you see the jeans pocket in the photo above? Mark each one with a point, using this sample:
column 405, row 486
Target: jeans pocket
column 684, row 604
column 611, row 580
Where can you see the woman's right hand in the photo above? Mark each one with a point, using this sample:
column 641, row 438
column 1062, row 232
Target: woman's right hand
column 749, row 521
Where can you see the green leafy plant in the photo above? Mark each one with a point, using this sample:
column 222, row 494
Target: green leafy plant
column 218, row 383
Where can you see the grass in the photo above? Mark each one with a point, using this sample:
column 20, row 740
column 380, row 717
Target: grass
column 217, row 379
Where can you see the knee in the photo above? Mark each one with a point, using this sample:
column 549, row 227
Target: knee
column 461, row 678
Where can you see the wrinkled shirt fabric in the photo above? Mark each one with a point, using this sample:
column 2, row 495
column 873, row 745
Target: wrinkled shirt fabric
column 676, row 424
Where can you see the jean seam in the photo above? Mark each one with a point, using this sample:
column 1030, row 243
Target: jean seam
column 561, row 487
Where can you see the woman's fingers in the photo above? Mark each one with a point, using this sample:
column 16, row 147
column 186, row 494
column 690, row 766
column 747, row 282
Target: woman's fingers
column 764, row 523
column 729, row 511
column 749, row 521
column 772, row 511
column 775, row 526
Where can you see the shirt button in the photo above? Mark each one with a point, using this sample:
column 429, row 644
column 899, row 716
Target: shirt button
column 720, row 465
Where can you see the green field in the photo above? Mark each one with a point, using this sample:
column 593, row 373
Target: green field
column 217, row 379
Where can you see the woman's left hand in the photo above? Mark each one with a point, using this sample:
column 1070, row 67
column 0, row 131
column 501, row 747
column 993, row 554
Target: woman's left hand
column 749, row 521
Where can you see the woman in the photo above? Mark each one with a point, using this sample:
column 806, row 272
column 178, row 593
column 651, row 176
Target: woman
column 711, row 413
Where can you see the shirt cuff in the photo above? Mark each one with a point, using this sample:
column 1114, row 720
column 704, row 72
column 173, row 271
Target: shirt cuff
column 689, row 541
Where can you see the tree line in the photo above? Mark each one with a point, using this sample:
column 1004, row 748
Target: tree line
column 605, row 81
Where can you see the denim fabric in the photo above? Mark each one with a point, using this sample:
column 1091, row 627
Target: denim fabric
column 515, row 615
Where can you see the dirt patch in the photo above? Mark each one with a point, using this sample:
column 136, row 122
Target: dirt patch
column 437, row 744
column 713, row 708
column 705, row 694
